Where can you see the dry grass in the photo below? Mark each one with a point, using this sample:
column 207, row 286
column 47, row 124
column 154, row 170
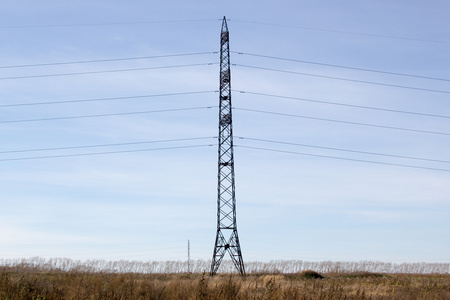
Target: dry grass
column 31, row 284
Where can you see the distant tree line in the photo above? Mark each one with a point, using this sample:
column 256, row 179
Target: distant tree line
column 200, row 266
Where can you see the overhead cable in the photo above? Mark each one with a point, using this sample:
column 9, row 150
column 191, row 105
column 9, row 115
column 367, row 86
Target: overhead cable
column 106, row 23
column 104, row 145
column 344, row 150
column 103, row 153
column 104, row 99
column 343, row 32
column 107, row 71
column 341, row 121
column 344, row 79
column 343, row 158
column 108, row 115
column 344, row 104
column 341, row 66
column 102, row 60
column 215, row 20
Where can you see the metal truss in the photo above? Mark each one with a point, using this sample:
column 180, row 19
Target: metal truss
column 227, row 239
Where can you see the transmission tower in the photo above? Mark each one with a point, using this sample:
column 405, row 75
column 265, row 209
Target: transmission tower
column 189, row 256
column 227, row 239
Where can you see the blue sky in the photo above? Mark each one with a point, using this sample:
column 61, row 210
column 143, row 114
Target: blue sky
column 293, row 201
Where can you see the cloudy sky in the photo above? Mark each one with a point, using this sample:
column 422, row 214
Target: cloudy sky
column 108, row 118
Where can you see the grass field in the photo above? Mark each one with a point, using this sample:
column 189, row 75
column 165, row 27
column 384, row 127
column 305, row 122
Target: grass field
column 24, row 283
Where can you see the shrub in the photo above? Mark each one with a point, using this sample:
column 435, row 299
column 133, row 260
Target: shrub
column 363, row 275
column 310, row 274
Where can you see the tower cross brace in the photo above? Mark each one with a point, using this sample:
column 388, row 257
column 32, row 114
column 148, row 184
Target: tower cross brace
column 227, row 239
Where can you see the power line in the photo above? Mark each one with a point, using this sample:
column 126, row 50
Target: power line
column 105, row 99
column 344, row 150
column 203, row 138
column 215, row 20
column 343, row 32
column 340, row 66
column 108, row 115
column 344, row 104
column 342, row 158
column 103, row 60
column 340, row 121
column 107, row 71
column 104, row 145
column 103, row 153
column 343, row 79
column 114, row 252
column 106, row 24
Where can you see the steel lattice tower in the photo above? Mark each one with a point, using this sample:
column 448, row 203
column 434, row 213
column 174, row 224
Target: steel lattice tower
column 227, row 236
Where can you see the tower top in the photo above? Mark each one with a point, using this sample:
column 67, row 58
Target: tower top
column 224, row 25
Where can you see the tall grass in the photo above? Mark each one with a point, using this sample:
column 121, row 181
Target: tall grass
column 25, row 283
column 199, row 266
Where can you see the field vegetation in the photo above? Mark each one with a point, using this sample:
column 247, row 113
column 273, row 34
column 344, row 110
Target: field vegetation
column 33, row 281
column 200, row 266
